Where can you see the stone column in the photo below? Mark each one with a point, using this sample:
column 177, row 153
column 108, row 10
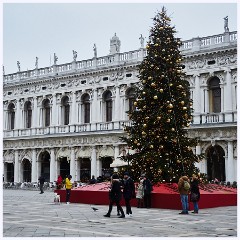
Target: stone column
column 99, row 167
column 94, row 107
column 228, row 97
column 73, row 109
column 35, row 113
column 197, row 99
column 206, row 100
column 54, row 110
column 94, row 162
column 16, row 167
column 117, row 105
column 18, row 115
column 53, row 169
column 230, row 163
column 116, row 154
column 72, row 165
column 73, row 113
column 34, row 165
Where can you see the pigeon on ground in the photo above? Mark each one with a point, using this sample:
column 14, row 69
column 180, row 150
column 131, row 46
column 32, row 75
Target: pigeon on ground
column 94, row 209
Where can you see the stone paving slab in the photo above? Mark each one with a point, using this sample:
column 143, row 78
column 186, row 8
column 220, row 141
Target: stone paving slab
column 30, row 214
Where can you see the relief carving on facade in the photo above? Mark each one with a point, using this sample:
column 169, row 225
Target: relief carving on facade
column 234, row 75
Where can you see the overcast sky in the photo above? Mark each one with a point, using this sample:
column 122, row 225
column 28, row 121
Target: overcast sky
column 42, row 29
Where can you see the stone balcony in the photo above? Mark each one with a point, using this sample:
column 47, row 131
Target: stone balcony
column 204, row 120
column 118, row 59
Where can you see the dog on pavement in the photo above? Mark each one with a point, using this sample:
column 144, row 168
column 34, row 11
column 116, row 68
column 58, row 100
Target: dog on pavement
column 56, row 198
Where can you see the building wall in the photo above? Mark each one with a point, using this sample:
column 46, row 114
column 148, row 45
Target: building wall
column 208, row 58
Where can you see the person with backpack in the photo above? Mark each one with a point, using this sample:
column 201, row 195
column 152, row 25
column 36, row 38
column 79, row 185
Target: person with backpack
column 183, row 188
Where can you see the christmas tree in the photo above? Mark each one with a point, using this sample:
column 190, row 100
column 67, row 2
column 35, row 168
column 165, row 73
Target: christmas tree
column 162, row 110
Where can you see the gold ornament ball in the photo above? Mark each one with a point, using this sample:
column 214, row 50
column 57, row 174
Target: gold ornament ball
column 155, row 97
column 169, row 110
column 184, row 108
column 143, row 133
column 138, row 144
column 165, row 137
column 149, row 78
column 144, row 125
column 144, row 81
column 170, row 84
column 182, row 102
column 161, row 90
column 156, row 45
column 146, row 118
column 135, row 141
column 158, row 118
column 156, row 55
column 144, row 107
column 180, row 86
column 151, row 146
column 158, row 136
column 147, row 46
column 153, row 84
column 144, row 93
column 168, row 120
column 178, row 161
column 135, row 103
column 170, row 105
column 161, row 28
column 161, row 146
column 162, row 76
column 173, row 129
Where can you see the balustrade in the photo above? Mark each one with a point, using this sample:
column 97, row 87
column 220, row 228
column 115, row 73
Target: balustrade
column 119, row 58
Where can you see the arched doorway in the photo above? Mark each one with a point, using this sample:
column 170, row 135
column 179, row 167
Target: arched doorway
column 27, row 170
column 85, row 169
column 106, row 169
column 64, row 167
column 216, row 163
column 44, row 160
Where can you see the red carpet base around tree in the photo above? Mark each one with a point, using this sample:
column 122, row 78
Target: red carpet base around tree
column 163, row 196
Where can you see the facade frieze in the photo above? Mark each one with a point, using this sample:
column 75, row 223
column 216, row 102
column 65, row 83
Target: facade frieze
column 57, row 142
column 227, row 133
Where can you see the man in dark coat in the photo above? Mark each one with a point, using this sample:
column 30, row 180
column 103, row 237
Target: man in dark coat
column 147, row 187
column 41, row 180
column 128, row 192
column 115, row 195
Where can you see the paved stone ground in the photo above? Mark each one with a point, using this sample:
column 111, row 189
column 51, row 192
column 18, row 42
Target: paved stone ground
column 30, row 214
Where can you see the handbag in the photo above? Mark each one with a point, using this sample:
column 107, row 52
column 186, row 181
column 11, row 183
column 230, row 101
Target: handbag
column 194, row 197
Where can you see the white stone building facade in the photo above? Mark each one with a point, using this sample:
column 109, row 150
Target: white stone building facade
column 67, row 118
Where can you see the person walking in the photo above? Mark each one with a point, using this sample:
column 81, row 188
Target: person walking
column 140, row 193
column 195, row 193
column 68, row 185
column 128, row 192
column 41, row 180
column 115, row 195
column 147, row 187
column 183, row 188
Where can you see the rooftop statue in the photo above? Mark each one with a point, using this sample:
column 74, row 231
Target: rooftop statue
column 74, row 55
column 226, row 29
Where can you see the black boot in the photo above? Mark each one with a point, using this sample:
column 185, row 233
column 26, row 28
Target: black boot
column 107, row 215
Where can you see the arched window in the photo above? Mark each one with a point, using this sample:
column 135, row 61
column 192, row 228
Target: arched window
column 46, row 112
column 11, row 116
column 108, row 102
column 86, row 108
column 214, row 95
column 28, row 114
column 131, row 98
column 65, row 110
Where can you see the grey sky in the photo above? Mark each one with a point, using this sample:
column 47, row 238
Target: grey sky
column 41, row 29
